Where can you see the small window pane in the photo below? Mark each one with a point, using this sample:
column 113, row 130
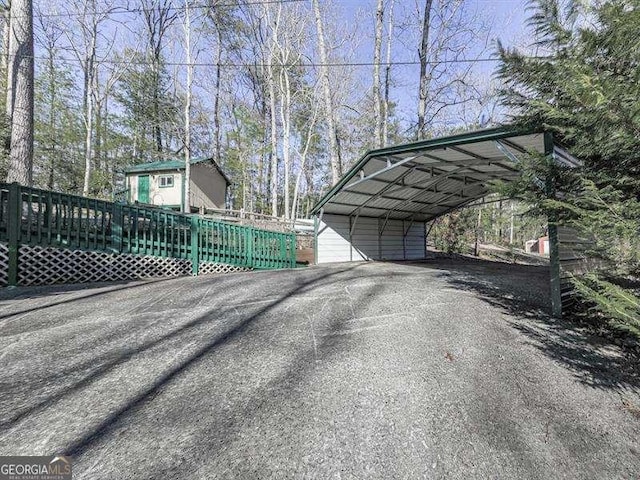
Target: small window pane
column 166, row 181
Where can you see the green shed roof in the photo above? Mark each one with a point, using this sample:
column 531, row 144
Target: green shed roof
column 174, row 164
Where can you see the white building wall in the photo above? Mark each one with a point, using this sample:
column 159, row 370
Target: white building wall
column 157, row 195
column 337, row 241
column 364, row 240
column 333, row 239
column 391, row 241
column 414, row 241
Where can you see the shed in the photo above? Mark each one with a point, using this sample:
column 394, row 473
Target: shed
column 162, row 184
column 380, row 208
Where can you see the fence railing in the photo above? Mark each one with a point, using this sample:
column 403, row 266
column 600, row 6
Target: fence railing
column 31, row 216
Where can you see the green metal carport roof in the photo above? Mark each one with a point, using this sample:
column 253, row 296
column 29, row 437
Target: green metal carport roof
column 423, row 180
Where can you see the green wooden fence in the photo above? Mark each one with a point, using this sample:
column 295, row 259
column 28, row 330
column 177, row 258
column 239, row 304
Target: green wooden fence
column 31, row 216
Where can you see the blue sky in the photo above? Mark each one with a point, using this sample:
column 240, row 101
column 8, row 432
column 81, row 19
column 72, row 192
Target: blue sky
column 507, row 19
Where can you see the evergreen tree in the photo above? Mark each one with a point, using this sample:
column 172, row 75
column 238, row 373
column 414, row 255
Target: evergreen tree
column 144, row 115
column 585, row 91
column 58, row 162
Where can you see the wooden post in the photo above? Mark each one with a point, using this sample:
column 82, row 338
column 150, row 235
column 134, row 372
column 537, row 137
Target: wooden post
column 14, row 214
column 554, row 263
column 117, row 220
column 554, row 253
column 290, row 252
column 249, row 240
column 293, row 251
column 476, row 248
column 195, row 233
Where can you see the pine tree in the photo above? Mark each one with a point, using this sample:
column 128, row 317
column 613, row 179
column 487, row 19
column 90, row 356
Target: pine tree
column 585, row 91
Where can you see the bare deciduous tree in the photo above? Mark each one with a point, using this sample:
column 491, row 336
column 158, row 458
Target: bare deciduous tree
column 186, row 24
column 307, row 138
column 158, row 16
column 452, row 37
column 89, row 14
column 20, row 64
column 387, row 77
column 424, row 73
column 334, row 154
column 377, row 53
column 6, row 47
column 274, row 25
column 289, row 46
column 49, row 36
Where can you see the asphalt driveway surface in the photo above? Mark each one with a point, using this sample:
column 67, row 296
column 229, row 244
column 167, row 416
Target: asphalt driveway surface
column 444, row 369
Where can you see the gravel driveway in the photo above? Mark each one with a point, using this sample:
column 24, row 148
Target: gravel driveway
column 444, row 369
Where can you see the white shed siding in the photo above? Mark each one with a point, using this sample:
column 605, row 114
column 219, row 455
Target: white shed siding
column 157, row 195
column 414, row 242
column 364, row 240
column 333, row 239
column 391, row 241
column 344, row 239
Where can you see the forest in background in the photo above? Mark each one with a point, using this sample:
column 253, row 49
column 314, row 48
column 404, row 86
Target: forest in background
column 285, row 95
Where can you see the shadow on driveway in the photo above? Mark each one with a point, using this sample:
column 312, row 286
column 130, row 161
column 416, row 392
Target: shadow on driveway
column 31, row 293
column 80, row 445
column 523, row 291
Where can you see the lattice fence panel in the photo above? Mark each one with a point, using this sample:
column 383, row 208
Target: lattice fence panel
column 46, row 265
column 4, row 264
column 208, row 268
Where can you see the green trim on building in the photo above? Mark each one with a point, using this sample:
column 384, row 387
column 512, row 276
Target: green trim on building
column 173, row 165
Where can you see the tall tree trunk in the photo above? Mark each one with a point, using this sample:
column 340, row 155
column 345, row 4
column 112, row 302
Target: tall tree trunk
column 9, row 54
column 272, row 107
column 334, row 149
column 424, row 75
column 262, row 160
column 97, row 141
column 21, row 155
column 88, row 138
column 285, row 118
column 216, row 100
column 52, row 121
column 303, row 161
column 6, row 26
column 107, row 154
column 387, row 78
column 158, row 16
column 89, row 101
column 187, row 111
column 377, row 47
column 8, row 51
column 273, row 193
column 157, row 131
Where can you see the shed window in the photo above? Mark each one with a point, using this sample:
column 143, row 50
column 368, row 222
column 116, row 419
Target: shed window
column 166, row 181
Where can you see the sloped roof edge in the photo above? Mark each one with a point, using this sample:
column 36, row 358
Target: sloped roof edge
column 496, row 133
column 174, row 165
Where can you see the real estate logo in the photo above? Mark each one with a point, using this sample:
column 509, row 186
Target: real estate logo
column 55, row 467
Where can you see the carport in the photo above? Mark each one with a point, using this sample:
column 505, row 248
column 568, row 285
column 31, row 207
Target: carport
column 380, row 208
